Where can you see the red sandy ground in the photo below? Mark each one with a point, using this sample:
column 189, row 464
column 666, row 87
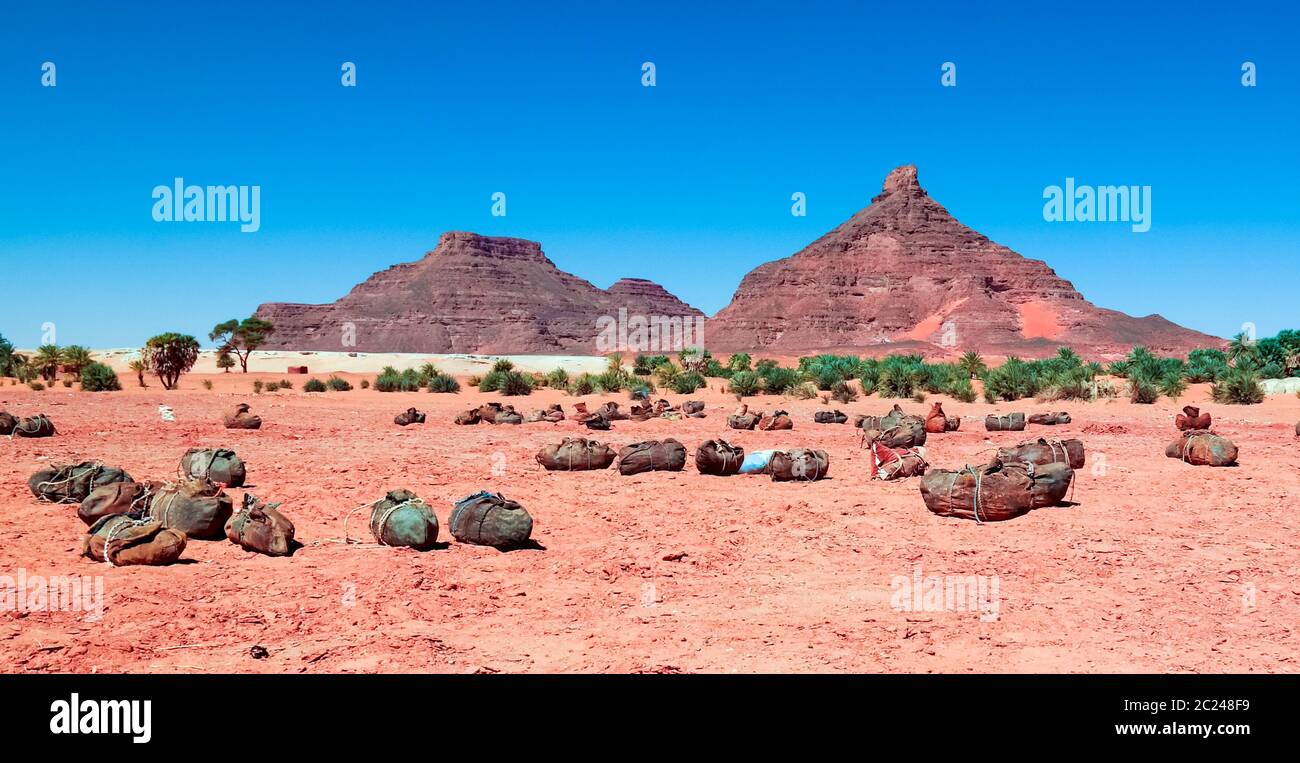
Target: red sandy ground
column 1160, row 567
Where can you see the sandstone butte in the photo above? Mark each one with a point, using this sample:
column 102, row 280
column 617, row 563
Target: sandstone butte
column 900, row 275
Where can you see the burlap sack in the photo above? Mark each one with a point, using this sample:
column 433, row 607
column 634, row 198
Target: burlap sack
column 884, row 423
column 198, row 508
column 576, row 454
column 742, row 421
column 1050, row 419
column 1192, row 418
column 907, row 434
column 1051, row 481
column 611, row 412
column 400, row 518
column 597, row 422
column 114, row 498
column 468, row 417
column 887, row 463
column 718, row 457
column 693, row 408
column 240, row 417
column 487, row 519
column 34, row 426
column 1013, row 422
column 408, row 417
column 652, row 456
column 120, row 541
column 7, row 423
column 778, row 420
column 800, row 464
column 508, row 415
column 990, row 493
column 71, row 483
column 935, row 421
column 487, row 412
column 830, row 417
column 1045, row 451
column 216, row 464
column 1200, row 447
column 553, row 413
column 261, row 527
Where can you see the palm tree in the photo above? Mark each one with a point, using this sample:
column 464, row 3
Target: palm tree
column 47, row 360
column 1068, row 357
column 75, row 358
column 139, row 367
column 1241, row 347
column 972, row 364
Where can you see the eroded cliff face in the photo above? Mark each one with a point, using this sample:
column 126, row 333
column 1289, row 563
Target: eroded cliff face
column 905, row 271
column 471, row 293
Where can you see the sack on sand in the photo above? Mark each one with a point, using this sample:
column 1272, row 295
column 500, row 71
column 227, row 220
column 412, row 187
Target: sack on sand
column 488, row 519
column 260, row 527
column 778, row 420
column 576, row 454
column 989, row 493
column 1012, row 422
column 1050, row 419
column 596, row 421
column 107, row 500
column 400, row 518
column 216, row 464
column 935, row 421
column 34, row 426
column 693, row 408
column 652, row 456
column 611, row 412
column 487, row 412
column 718, row 457
column 1200, row 447
column 468, row 417
column 742, row 421
column 1192, row 418
column 1045, row 451
column 7, row 423
column 890, row 420
column 240, row 417
column 552, row 413
column 508, row 415
column 642, row 412
column 757, row 462
column 198, row 508
column 71, row 483
column 1051, row 481
column 891, row 464
column 830, row 417
column 122, row 541
column 799, row 464
column 408, row 417
column 908, row 434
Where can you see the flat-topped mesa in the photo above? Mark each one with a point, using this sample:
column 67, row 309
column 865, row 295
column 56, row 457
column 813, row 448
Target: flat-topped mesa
column 648, row 298
column 904, row 271
column 502, row 247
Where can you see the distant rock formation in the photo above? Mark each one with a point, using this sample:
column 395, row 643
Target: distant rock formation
column 903, row 273
column 472, row 293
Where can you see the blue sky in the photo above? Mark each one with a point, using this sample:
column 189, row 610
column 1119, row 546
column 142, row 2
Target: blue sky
column 687, row 183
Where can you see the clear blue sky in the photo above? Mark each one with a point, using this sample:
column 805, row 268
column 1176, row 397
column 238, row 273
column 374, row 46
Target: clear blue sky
column 687, row 183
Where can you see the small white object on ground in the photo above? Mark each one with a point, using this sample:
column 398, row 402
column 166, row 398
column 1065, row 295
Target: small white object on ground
column 166, row 412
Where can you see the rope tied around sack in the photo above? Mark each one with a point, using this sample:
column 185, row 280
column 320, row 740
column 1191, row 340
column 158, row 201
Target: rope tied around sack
column 93, row 470
column 122, row 523
column 21, row 428
column 979, row 479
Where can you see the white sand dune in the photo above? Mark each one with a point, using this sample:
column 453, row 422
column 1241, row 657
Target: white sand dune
column 277, row 361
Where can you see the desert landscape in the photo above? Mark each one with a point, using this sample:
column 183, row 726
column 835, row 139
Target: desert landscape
column 1153, row 565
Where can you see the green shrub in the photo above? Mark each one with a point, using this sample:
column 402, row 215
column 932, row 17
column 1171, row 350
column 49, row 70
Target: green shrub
column 1238, row 386
column 365, row 384
column 962, row 390
column 582, row 385
column 1142, row 389
column 739, row 362
column 715, row 370
column 804, row 391
column 98, row 377
column 444, row 383
column 778, row 380
column 613, row 380
column 507, row 382
column 744, row 383
column 1206, row 365
column 388, row 381
column 36, row 386
column 338, row 384
column 843, row 392
column 286, row 384
column 257, row 387
column 688, row 382
column 503, row 365
column 558, row 378
column 665, row 373
column 1172, row 386
column 67, row 382
column 1013, row 380
column 314, row 385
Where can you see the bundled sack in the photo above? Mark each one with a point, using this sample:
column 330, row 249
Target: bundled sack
column 576, row 454
column 1051, row 481
column 652, row 456
column 7, row 423
column 487, row 412
column 693, row 408
column 882, row 423
column 990, row 493
column 642, row 412
column 719, row 457
column 777, row 421
column 34, row 426
column 488, row 519
column 935, row 421
column 596, row 422
column 115, row 498
column 611, row 412
column 830, row 417
column 198, row 508
column 216, row 464
column 1044, row 451
column 757, row 462
column 408, row 417
column 466, row 418
column 1050, row 419
column 908, row 434
column 71, row 483
column 260, row 527
column 400, row 518
column 1013, row 422
column 799, row 464
column 508, row 415
column 1192, row 418
column 122, row 541
column 552, row 413
column 1201, row 447
column 892, row 464
column 241, row 418
column 742, row 421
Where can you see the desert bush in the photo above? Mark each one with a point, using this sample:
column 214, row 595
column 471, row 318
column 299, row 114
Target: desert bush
column 1142, row 389
column 365, row 384
column 207, row 384
column 509, row 383
column 665, row 373
column 744, row 383
column 67, row 382
column 503, row 365
column 1238, row 385
column 962, row 390
column 778, row 380
column 36, row 386
column 1205, row 365
column 582, row 384
column 843, row 392
column 899, row 376
column 338, row 384
column 739, row 362
column 973, row 364
column 804, row 391
column 1172, row 387
column 645, row 365
column 314, row 385
column 388, row 381
column 257, row 387
column 97, row 377
column 443, row 383
column 715, row 370
column 286, row 384
column 613, row 380
column 558, row 378
column 688, row 382
column 1013, row 380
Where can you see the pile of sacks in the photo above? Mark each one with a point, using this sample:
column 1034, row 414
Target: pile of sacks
column 714, row 457
column 408, row 417
column 490, row 413
column 1197, row 444
column 402, row 519
column 743, row 419
column 1029, row 476
column 32, row 426
column 895, row 429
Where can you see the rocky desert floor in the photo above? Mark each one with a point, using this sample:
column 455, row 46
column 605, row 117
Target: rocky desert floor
column 1157, row 565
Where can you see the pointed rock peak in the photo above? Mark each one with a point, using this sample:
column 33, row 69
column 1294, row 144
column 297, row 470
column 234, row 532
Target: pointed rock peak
column 903, row 180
